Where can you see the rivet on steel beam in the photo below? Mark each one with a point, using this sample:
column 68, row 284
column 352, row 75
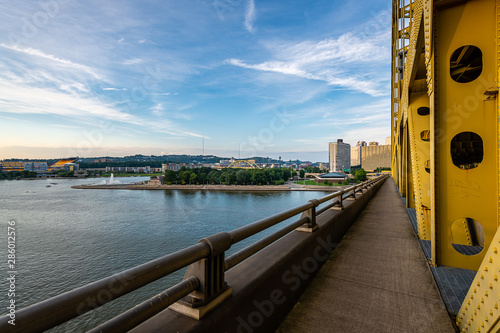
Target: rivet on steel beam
column 496, row 305
column 478, row 283
column 486, row 293
column 495, row 277
column 490, row 259
column 485, row 268
column 491, row 286
column 482, row 300
column 478, row 306
column 491, row 312
column 495, row 250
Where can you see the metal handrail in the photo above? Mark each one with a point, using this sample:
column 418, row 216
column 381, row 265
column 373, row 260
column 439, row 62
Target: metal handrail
column 147, row 309
column 331, row 196
column 249, row 251
column 327, row 207
column 59, row 309
column 251, row 229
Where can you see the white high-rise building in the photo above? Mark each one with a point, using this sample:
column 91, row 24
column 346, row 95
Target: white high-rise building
column 340, row 156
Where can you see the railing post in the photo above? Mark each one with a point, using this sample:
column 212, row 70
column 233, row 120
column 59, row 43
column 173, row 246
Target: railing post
column 352, row 196
column 213, row 288
column 340, row 204
column 311, row 225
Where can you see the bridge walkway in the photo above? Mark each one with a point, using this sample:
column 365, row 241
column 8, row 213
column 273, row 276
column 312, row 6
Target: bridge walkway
column 377, row 280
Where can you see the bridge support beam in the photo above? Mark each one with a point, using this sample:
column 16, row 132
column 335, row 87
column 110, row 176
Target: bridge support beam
column 446, row 73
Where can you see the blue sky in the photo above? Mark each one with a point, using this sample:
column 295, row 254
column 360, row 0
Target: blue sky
column 242, row 77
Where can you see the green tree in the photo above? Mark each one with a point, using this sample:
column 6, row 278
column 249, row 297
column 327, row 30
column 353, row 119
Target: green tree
column 302, row 173
column 258, row 177
column 202, row 177
column 360, row 175
column 287, row 174
column 192, row 178
column 213, row 176
column 228, row 177
column 184, row 175
column 243, row 177
column 170, row 176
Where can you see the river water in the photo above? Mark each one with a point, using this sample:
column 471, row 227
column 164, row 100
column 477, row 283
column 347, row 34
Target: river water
column 66, row 238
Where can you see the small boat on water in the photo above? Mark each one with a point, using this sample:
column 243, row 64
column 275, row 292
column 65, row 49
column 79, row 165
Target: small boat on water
column 48, row 186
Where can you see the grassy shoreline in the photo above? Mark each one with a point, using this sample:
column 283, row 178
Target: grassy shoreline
column 206, row 187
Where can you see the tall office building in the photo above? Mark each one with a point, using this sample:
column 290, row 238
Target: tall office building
column 356, row 153
column 375, row 156
column 340, row 156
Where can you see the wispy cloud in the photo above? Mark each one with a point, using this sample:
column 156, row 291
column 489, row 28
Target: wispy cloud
column 133, row 61
column 157, row 109
column 76, row 85
column 114, row 89
column 250, row 15
column 38, row 53
column 340, row 62
column 23, row 99
column 162, row 94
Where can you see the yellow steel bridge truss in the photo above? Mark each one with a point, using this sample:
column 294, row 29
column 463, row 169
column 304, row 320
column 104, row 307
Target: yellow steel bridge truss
column 445, row 138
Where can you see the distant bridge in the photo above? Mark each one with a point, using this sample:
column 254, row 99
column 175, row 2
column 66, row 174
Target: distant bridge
column 244, row 164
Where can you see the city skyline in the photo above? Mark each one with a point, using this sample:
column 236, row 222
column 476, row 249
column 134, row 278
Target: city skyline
column 228, row 78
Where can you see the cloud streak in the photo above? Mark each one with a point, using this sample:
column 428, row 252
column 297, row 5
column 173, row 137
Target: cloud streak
column 38, row 53
column 250, row 15
column 340, row 62
column 21, row 99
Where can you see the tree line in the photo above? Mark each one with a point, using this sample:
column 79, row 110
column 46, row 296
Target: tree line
column 17, row 174
column 229, row 176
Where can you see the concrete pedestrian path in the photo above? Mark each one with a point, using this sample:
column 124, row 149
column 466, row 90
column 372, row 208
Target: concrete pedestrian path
column 377, row 280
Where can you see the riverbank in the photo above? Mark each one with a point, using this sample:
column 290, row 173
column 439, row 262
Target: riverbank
column 209, row 187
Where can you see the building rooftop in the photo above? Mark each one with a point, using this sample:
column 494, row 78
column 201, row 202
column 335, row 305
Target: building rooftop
column 334, row 175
